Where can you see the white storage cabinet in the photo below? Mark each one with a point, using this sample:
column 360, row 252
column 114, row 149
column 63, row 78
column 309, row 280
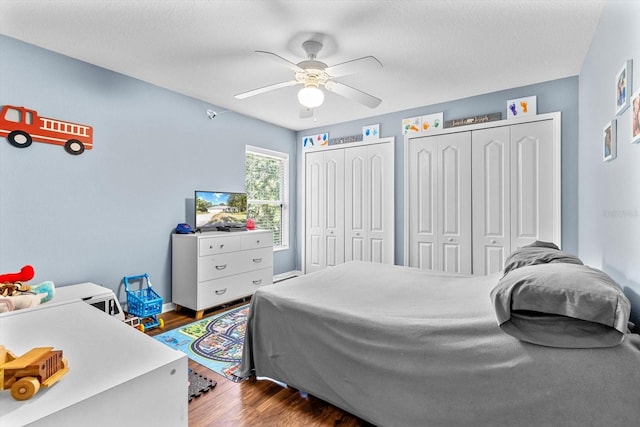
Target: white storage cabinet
column 214, row 268
column 117, row 375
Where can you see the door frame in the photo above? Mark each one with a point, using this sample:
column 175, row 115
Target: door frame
column 303, row 186
column 556, row 117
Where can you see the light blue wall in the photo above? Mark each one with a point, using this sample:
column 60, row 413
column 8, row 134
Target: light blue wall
column 110, row 212
column 609, row 193
column 558, row 95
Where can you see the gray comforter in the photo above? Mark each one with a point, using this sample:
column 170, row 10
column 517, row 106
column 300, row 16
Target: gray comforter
column 402, row 347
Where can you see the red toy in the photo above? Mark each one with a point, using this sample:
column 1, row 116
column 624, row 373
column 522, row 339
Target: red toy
column 26, row 273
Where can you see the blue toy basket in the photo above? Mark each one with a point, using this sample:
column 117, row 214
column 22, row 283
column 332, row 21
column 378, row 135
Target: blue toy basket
column 143, row 302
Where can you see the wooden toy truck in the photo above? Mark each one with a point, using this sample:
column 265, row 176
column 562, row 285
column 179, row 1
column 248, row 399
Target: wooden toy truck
column 24, row 375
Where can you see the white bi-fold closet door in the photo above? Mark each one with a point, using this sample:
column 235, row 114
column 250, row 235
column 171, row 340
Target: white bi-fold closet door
column 349, row 205
column 324, row 209
column 439, row 197
column 516, row 187
column 477, row 193
column 369, row 203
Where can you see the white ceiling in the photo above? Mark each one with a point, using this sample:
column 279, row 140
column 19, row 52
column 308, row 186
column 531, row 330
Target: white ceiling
column 432, row 50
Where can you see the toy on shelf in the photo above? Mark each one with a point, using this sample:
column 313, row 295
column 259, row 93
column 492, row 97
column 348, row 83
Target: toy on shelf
column 25, row 274
column 144, row 303
column 24, row 375
column 16, row 295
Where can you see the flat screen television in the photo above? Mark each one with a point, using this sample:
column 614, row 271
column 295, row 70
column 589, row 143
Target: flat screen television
column 217, row 210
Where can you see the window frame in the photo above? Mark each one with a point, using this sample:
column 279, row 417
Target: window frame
column 284, row 191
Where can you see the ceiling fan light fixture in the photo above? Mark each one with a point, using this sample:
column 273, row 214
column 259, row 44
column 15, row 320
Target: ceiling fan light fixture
column 311, row 96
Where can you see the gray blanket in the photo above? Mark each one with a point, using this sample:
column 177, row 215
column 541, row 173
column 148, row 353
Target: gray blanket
column 398, row 346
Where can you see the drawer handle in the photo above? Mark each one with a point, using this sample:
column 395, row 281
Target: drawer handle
column 257, row 282
column 221, row 291
column 221, row 245
column 257, row 260
column 221, row 267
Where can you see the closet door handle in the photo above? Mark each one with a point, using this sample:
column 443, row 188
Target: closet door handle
column 257, row 260
column 257, row 282
column 221, row 291
column 221, row 267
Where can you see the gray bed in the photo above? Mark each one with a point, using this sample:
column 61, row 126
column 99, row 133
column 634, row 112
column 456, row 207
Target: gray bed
column 398, row 346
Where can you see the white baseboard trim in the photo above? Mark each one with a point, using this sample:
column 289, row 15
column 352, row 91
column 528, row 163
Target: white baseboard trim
column 168, row 307
column 284, row 276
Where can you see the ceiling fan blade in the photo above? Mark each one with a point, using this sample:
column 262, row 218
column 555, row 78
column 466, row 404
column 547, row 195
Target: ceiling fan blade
column 265, row 89
column 366, row 63
column 282, row 60
column 352, row 93
column 306, row 113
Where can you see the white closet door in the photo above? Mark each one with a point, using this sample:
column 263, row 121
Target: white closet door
column 454, row 213
column 324, row 209
column 314, row 212
column 513, row 191
column 369, row 199
column 439, row 203
column 356, row 200
column 334, row 207
column 491, row 199
column 381, row 203
column 532, row 183
column 422, row 193
column 492, row 188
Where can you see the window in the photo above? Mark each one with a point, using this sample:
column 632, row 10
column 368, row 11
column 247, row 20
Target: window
column 267, row 188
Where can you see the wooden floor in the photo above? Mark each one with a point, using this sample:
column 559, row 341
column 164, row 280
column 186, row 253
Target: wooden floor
column 253, row 402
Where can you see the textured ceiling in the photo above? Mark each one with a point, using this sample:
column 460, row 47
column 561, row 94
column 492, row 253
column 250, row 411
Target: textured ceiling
column 432, row 51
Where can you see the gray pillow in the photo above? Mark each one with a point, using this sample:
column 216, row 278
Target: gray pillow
column 538, row 253
column 561, row 305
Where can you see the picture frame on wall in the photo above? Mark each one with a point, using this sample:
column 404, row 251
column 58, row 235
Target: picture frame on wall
column 527, row 106
column 609, row 149
column 635, row 117
column 371, row 131
column 624, row 78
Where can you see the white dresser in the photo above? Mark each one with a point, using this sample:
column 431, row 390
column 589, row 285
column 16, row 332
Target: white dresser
column 214, row 268
column 117, row 375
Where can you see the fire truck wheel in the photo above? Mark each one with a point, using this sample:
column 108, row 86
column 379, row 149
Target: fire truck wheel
column 73, row 146
column 25, row 388
column 19, row 139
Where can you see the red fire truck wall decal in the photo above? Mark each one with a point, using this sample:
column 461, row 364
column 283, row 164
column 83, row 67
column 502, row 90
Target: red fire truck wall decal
column 22, row 126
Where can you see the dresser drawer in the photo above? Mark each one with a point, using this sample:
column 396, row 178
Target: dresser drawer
column 258, row 240
column 221, row 265
column 220, row 291
column 258, row 258
column 218, row 245
column 227, row 264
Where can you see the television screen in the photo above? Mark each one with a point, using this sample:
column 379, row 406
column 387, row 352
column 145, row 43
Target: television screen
column 215, row 209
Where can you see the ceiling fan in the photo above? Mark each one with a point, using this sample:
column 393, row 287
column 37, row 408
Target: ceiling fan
column 314, row 74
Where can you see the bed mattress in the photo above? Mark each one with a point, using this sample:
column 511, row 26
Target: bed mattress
column 398, row 346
